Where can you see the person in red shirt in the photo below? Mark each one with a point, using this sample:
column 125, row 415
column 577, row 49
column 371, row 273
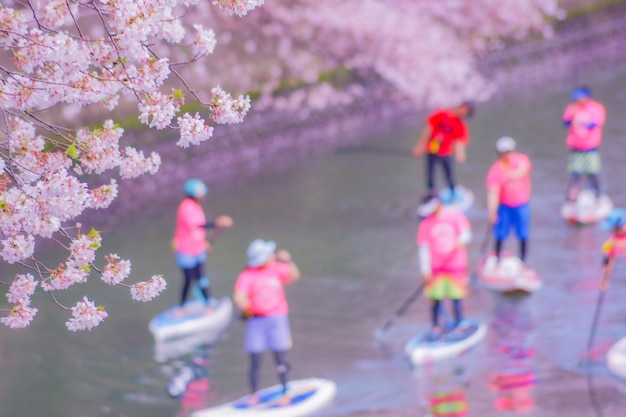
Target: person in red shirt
column 445, row 134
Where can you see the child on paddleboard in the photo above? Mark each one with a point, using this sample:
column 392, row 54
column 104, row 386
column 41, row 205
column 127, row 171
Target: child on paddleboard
column 442, row 240
column 508, row 195
column 259, row 294
column 445, row 134
column 189, row 243
column 583, row 118
column 616, row 244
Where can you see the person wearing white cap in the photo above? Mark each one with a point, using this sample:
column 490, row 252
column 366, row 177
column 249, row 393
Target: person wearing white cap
column 189, row 242
column 260, row 296
column 508, row 195
column 442, row 239
column 583, row 118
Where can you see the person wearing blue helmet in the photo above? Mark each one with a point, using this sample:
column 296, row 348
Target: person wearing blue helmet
column 616, row 244
column 583, row 118
column 189, row 243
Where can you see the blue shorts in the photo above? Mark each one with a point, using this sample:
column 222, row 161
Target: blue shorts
column 185, row 261
column 270, row 332
column 518, row 217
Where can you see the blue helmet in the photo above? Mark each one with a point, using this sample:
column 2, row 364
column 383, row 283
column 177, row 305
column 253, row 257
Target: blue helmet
column 615, row 219
column 580, row 92
column 195, row 188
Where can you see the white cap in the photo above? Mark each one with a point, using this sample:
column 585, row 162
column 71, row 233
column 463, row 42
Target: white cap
column 259, row 252
column 505, row 144
column 428, row 206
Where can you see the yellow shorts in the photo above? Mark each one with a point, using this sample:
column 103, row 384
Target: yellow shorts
column 445, row 286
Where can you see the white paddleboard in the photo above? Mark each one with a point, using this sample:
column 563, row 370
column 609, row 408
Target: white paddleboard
column 616, row 359
column 307, row 396
column 421, row 350
column 509, row 275
column 168, row 324
column 586, row 210
column 462, row 200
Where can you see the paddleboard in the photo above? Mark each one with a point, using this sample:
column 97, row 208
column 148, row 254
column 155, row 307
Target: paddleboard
column 616, row 359
column 509, row 275
column 462, row 199
column 306, row 396
column 420, row 349
column 196, row 318
column 586, row 210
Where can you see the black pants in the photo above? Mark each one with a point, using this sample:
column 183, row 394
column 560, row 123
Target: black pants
column 282, row 368
column 190, row 276
column 446, row 162
column 575, row 184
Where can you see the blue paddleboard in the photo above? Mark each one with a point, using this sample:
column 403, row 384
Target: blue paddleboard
column 306, row 396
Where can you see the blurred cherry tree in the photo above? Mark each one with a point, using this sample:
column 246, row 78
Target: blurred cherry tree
column 64, row 61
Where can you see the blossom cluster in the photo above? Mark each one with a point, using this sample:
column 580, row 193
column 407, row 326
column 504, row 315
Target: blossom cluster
column 147, row 290
column 237, row 7
column 70, row 57
column 85, row 315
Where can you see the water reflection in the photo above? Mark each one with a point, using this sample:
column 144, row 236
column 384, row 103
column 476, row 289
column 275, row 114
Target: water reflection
column 442, row 386
column 174, row 348
column 190, row 382
column 512, row 352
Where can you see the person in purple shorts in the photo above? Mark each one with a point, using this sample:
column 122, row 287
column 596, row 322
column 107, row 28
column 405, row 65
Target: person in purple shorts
column 260, row 296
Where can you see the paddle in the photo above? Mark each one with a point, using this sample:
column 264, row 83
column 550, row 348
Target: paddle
column 605, row 283
column 203, row 282
column 380, row 333
column 483, row 250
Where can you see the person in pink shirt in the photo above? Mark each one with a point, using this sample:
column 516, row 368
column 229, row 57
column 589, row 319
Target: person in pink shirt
column 508, row 195
column 189, row 243
column 584, row 118
column 442, row 238
column 260, row 296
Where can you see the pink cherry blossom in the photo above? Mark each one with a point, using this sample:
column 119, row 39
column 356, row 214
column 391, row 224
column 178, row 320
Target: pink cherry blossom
column 20, row 316
column 193, row 130
column 237, row 7
column 22, row 288
column 225, row 109
column 147, row 290
column 17, row 248
column 85, row 315
column 116, row 270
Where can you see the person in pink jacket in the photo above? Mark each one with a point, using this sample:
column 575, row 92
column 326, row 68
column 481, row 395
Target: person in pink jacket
column 190, row 244
column 584, row 118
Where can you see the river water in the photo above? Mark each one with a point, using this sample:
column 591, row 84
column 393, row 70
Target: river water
column 347, row 219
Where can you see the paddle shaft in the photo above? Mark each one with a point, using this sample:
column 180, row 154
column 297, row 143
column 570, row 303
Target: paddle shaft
column 216, row 234
column 486, row 239
column 407, row 303
column 596, row 316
